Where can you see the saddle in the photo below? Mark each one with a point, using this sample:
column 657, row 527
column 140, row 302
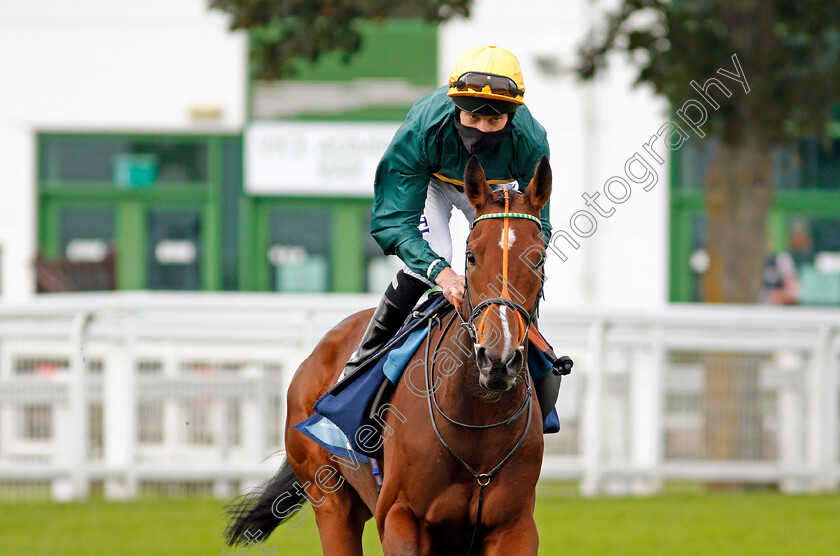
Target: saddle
column 354, row 403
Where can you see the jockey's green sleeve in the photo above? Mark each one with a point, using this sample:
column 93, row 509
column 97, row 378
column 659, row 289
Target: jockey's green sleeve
column 427, row 147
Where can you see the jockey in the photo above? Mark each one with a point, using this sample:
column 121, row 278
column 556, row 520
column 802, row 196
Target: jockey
column 419, row 181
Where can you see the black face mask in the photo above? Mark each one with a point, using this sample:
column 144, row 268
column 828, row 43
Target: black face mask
column 477, row 141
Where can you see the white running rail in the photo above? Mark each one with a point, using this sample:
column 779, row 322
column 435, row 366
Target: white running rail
column 127, row 392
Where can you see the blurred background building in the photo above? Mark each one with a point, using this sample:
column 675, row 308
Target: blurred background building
column 138, row 154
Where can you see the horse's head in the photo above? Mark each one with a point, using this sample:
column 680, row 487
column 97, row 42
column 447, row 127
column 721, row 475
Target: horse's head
column 505, row 254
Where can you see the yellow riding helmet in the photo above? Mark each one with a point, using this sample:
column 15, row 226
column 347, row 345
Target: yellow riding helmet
column 487, row 78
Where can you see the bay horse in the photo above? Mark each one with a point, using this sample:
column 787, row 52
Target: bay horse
column 464, row 441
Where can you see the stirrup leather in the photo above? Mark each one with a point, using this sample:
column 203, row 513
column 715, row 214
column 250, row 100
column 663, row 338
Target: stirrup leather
column 560, row 366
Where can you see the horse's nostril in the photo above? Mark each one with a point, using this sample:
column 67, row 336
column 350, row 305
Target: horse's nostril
column 487, row 362
column 514, row 363
column 482, row 359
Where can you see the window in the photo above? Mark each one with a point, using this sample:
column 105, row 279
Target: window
column 299, row 251
column 810, row 164
column 125, row 162
column 174, row 243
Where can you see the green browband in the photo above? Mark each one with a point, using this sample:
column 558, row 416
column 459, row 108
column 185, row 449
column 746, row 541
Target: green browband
column 508, row 215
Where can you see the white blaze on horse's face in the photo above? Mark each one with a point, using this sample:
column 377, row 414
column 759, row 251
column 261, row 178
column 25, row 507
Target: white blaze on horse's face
column 502, row 286
column 499, row 357
column 507, row 337
column 511, row 239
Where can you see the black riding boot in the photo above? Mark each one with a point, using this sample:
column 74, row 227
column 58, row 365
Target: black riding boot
column 547, row 389
column 399, row 299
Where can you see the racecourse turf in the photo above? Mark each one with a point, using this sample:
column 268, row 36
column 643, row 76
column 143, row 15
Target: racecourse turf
column 674, row 523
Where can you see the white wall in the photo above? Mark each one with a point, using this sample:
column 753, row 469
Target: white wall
column 593, row 129
column 91, row 65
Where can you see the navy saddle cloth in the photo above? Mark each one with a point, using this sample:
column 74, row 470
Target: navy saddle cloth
column 342, row 422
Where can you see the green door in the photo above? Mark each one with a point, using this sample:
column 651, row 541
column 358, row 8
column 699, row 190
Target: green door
column 307, row 245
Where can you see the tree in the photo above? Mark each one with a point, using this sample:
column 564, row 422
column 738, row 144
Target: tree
column 790, row 52
column 284, row 32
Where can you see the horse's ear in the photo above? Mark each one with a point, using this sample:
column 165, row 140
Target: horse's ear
column 539, row 190
column 475, row 183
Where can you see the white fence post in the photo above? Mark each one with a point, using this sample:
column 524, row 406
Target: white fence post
column 120, row 414
column 77, row 415
column 792, row 421
column 65, row 438
column 824, row 428
column 647, row 399
column 818, row 410
column 591, row 482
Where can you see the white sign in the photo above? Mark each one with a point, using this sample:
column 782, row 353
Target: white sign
column 827, row 262
column 313, row 158
column 86, row 250
column 175, row 251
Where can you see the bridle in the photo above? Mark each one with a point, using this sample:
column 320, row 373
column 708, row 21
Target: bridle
column 525, row 317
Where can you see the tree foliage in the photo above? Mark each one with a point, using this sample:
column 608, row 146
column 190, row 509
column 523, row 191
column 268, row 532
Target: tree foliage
column 286, row 31
column 789, row 50
column 790, row 54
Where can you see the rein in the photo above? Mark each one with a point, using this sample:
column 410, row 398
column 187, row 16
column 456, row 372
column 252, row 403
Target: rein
column 477, row 336
column 483, row 479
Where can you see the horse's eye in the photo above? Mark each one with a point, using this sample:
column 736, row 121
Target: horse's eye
column 471, row 258
column 540, row 261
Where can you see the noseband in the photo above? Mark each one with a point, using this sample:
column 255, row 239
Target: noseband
column 525, row 317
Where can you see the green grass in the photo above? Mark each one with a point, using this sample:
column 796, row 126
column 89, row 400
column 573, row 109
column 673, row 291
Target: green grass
column 670, row 524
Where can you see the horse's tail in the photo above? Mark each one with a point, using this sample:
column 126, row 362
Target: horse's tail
column 256, row 514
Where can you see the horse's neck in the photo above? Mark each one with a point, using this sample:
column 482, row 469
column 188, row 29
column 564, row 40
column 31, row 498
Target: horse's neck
column 458, row 392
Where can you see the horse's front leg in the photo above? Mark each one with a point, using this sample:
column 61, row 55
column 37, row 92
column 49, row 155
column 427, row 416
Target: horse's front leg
column 400, row 532
column 519, row 538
